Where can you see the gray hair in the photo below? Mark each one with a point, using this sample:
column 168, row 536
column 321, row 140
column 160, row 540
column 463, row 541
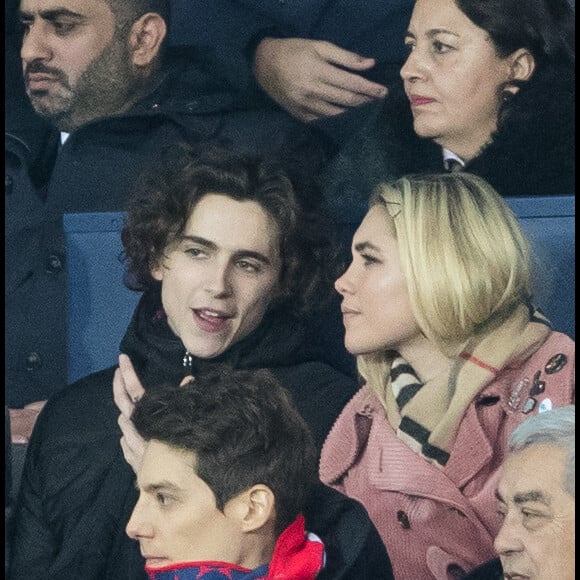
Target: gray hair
column 555, row 427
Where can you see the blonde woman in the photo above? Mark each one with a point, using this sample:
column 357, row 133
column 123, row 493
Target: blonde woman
column 437, row 309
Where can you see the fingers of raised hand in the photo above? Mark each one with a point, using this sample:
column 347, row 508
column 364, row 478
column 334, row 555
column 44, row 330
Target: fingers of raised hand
column 120, row 395
column 132, row 444
column 186, row 380
column 132, row 383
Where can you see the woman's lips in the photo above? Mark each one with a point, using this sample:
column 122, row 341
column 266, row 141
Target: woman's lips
column 417, row 100
column 348, row 313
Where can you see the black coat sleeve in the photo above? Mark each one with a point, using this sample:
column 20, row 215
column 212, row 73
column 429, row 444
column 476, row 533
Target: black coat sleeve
column 32, row 543
column 353, row 547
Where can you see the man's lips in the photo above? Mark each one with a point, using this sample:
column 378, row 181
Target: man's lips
column 39, row 79
column 211, row 320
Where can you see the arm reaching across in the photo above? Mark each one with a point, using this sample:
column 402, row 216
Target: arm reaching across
column 313, row 78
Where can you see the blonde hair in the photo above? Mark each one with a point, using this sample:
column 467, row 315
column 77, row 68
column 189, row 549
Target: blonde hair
column 465, row 259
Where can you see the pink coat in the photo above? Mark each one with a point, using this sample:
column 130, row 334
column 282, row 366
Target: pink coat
column 436, row 522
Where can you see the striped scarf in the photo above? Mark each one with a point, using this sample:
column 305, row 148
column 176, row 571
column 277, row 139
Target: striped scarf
column 427, row 415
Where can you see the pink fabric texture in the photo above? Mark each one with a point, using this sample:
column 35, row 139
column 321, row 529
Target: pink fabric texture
column 437, row 522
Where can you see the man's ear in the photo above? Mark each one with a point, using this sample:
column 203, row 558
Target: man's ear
column 157, row 273
column 145, row 39
column 522, row 64
column 254, row 507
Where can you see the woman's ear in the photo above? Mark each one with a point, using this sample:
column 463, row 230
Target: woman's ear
column 254, row 507
column 522, row 64
column 146, row 37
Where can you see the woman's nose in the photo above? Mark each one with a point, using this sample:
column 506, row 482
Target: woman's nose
column 343, row 284
column 412, row 68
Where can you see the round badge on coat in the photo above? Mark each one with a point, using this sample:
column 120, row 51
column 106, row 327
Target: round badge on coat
column 556, row 363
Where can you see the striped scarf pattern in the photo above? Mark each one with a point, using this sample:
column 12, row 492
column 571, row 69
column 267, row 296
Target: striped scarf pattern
column 427, row 415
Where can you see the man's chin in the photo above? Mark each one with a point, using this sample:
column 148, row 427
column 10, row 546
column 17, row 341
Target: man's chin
column 57, row 117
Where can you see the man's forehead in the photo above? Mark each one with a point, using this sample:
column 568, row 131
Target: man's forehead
column 538, row 468
column 83, row 7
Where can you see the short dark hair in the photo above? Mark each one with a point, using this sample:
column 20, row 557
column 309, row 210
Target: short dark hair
column 167, row 193
column 244, row 430
column 128, row 11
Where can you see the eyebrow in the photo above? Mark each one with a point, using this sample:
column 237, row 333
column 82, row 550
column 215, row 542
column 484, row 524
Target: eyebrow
column 239, row 254
column 362, row 246
column 434, row 32
column 152, row 487
column 528, row 496
column 52, row 15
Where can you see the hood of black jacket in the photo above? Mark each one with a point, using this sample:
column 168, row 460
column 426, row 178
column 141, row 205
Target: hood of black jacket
column 157, row 353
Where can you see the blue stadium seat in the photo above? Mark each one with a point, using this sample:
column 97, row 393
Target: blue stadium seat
column 100, row 306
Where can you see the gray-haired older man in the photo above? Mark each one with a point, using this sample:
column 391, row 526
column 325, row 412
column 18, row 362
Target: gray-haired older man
column 536, row 496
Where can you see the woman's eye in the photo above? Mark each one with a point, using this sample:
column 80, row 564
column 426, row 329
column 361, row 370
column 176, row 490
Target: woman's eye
column 441, row 47
column 368, row 259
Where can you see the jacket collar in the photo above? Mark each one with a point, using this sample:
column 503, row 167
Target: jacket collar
column 157, row 353
column 389, row 457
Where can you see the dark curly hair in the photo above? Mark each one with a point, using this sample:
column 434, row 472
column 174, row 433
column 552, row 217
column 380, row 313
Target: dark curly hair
column 244, row 430
column 167, row 194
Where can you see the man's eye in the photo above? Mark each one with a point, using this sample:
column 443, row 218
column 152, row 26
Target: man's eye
column 194, row 252
column 25, row 26
column 162, row 499
column 248, row 266
column 62, row 28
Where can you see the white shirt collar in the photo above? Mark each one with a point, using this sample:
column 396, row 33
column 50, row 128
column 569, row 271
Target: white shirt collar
column 447, row 155
column 63, row 137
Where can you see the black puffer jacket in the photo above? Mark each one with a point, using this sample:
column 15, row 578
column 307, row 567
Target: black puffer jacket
column 77, row 492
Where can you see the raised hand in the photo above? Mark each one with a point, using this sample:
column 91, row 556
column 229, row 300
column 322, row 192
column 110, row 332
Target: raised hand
column 127, row 390
column 313, row 78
